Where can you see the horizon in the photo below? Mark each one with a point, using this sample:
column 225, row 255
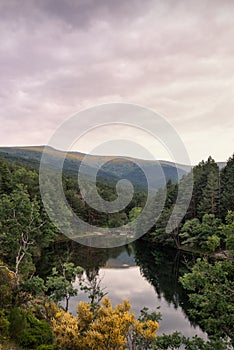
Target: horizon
column 114, row 155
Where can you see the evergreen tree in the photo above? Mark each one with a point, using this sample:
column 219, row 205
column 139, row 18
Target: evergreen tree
column 227, row 187
column 210, row 195
column 201, row 174
column 5, row 177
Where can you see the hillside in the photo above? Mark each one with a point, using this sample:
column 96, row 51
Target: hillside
column 113, row 169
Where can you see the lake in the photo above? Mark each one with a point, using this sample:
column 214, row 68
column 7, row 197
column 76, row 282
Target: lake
column 146, row 275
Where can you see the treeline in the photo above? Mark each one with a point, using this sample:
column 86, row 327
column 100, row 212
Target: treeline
column 209, row 221
column 207, row 228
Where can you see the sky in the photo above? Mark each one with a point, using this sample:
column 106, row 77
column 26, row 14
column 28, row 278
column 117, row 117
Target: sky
column 58, row 57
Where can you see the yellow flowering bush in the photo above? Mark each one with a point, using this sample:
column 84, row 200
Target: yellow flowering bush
column 105, row 328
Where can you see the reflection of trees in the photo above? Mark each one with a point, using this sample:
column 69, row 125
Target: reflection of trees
column 162, row 269
column 91, row 259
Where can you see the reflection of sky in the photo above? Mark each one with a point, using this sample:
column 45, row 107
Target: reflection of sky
column 129, row 284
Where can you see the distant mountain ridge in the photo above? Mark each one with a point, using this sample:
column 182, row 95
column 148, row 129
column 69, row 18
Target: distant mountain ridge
column 114, row 169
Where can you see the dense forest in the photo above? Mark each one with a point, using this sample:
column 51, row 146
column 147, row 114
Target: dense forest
column 31, row 316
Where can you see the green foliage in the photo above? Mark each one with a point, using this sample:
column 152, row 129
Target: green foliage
column 227, row 185
column 92, row 286
column 59, row 285
column 5, row 177
column 159, row 234
column 190, row 231
column 134, row 213
column 205, row 198
column 6, row 286
column 213, row 242
column 140, row 340
column 105, row 328
column 28, row 331
column 18, row 323
column 205, row 234
column 4, row 326
column 117, row 219
column 145, row 315
column 212, row 296
column 34, row 286
column 210, row 195
column 107, row 192
column 23, row 231
column 228, row 231
column 45, row 347
column 177, row 341
column 27, row 178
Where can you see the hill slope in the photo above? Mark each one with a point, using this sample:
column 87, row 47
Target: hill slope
column 113, row 169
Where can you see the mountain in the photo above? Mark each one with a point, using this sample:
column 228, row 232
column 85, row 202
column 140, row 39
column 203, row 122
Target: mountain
column 114, row 169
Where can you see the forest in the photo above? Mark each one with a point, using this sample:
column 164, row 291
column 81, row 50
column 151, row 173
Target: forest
column 31, row 315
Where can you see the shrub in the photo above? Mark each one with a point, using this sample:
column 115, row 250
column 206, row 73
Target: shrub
column 4, row 326
column 45, row 347
column 28, row 331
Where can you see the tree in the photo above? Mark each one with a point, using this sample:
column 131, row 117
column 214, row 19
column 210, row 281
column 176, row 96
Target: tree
column 92, row 286
column 210, row 226
column 205, row 234
column 190, row 231
column 210, row 195
column 4, row 327
column 227, row 185
column 201, row 173
column 213, row 242
column 178, row 341
column 28, row 179
column 117, row 219
column 228, row 230
column 160, row 235
column 27, row 330
column 6, row 285
column 211, row 289
column 60, row 285
column 134, row 213
column 23, row 230
column 105, row 329
column 5, row 177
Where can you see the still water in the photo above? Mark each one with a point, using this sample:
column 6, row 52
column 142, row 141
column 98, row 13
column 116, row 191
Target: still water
column 147, row 276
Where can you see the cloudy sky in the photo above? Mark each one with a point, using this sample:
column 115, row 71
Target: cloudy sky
column 175, row 57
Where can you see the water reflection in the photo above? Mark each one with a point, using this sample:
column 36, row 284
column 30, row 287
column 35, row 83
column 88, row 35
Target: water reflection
column 145, row 275
column 129, row 284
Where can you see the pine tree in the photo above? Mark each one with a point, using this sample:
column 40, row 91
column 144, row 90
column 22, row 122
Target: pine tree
column 227, row 187
column 210, row 195
column 5, row 177
column 201, row 173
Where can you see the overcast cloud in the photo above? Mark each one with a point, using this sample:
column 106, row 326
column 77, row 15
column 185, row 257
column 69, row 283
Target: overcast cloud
column 176, row 57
